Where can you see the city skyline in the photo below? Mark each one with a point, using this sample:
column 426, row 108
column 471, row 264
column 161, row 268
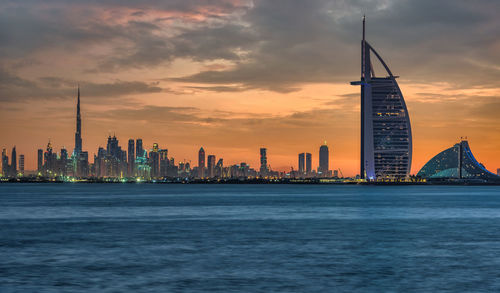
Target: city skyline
column 154, row 72
column 80, row 158
column 138, row 164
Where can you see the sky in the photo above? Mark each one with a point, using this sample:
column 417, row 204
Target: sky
column 232, row 76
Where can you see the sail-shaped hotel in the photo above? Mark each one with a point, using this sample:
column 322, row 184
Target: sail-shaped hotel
column 386, row 142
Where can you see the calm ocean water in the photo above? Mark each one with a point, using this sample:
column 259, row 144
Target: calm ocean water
column 248, row 238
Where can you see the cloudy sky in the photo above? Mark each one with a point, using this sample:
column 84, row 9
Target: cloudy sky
column 236, row 75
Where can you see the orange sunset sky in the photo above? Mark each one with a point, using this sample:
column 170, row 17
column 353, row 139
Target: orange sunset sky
column 234, row 76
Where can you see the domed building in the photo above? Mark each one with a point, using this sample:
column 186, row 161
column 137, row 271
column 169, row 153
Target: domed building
column 457, row 162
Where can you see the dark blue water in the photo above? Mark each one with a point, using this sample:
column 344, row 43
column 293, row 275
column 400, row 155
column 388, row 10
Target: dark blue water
column 249, row 238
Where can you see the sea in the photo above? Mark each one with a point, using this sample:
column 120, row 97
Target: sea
column 74, row 237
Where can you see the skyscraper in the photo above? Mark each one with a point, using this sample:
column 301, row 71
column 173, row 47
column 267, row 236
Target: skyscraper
column 308, row 163
column 219, row 168
column 40, row 160
column 164, row 163
column 263, row 162
column 211, row 165
column 78, row 133
column 112, row 146
column 324, row 160
column 5, row 163
column 100, row 163
column 139, row 151
column 21, row 164
column 154, row 157
column 64, row 154
column 115, row 158
column 63, row 162
column 172, row 170
column 131, row 157
column 142, row 168
column 79, row 165
column 201, row 162
column 13, row 163
column 83, row 164
column 386, row 140
column 49, row 159
column 301, row 163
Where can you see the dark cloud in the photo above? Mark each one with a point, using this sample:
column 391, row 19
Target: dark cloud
column 318, row 41
column 153, row 114
column 150, row 47
column 450, row 97
column 137, row 13
column 228, row 121
column 347, row 101
column 119, row 88
column 274, row 45
column 16, row 89
column 219, row 89
column 29, row 29
column 351, row 95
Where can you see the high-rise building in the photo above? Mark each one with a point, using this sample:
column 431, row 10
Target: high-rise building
column 139, row 150
column 40, row 160
column 308, row 163
column 21, row 164
column 172, row 169
column 142, row 168
column 49, row 162
column 243, row 170
column 63, row 162
column 64, row 154
column 131, row 158
column 201, row 163
column 13, row 163
column 301, row 163
column 79, row 165
column 78, row 133
column 112, row 146
column 386, row 140
column 324, row 155
column 154, row 158
column 100, row 163
column 263, row 162
column 5, row 163
column 83, row 164
column 116, row 158
column 219, row 168
column 164, row 163
column 211, row 165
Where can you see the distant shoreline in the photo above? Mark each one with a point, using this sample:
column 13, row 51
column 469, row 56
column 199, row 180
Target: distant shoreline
column 314, row 181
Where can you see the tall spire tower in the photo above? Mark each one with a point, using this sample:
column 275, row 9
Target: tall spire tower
column 78, row 133
column 386, row 140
